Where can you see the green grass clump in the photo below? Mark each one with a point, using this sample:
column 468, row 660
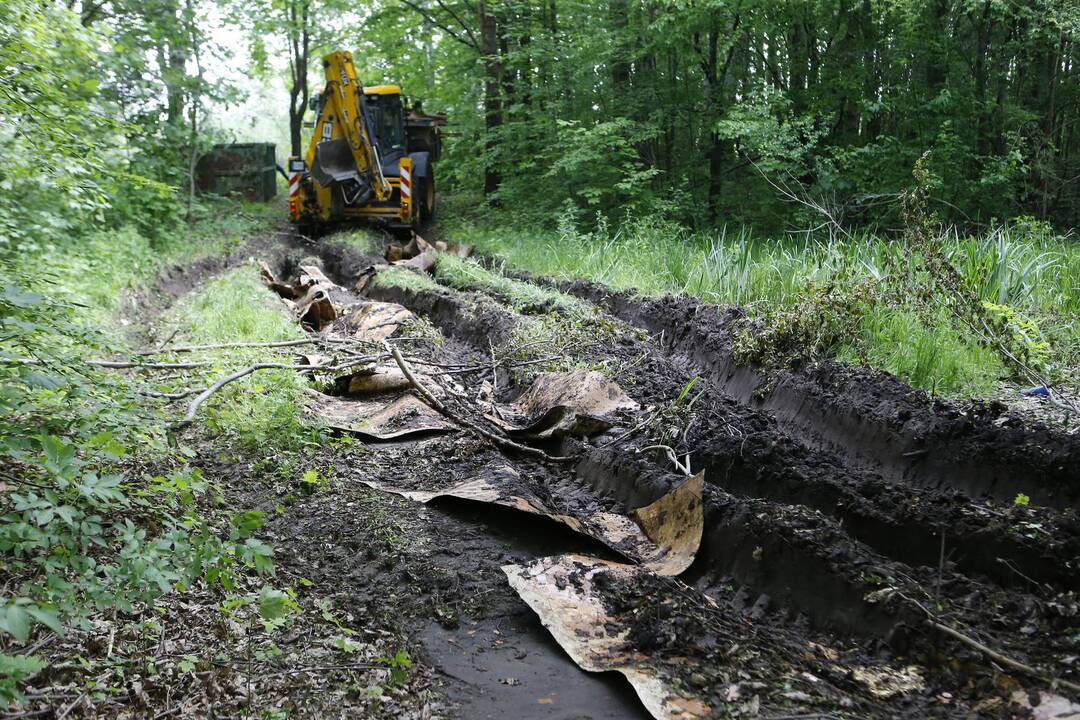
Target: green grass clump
column 468, row 274
column 263, row 409
column 401, row 277
column 100, row 270
column 362, row 239
column 930, row 356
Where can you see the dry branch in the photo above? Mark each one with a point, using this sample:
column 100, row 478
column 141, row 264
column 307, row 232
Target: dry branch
column 193, row 406
column 124, row 364
column 1000, row 658
column 220, row 346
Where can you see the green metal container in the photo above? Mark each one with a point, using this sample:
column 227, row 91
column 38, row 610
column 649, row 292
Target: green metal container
column 245, row 169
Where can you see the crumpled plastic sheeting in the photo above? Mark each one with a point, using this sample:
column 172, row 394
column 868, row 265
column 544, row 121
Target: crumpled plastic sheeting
column 309, row 299
column 373, row 321
column 657, row 545
column 674, row 523
column 578, row 403
column 566, row 593
column 404, row 418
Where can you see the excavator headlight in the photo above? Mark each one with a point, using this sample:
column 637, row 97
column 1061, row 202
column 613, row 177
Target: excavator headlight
column 297, row 165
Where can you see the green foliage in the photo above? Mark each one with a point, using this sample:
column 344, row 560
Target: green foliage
column 814, row 328
column 798, row 279
column 50, row 128
column 399, row 664
column 468, row 274
column 83, row 529
column 13, row 670
column 681, row 109
column 262, row 410
column 932, row 356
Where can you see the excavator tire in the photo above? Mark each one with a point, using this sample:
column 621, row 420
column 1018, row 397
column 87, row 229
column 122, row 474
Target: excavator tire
column 427, row 197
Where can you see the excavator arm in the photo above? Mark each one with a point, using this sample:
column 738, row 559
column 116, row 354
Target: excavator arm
column 343, row 157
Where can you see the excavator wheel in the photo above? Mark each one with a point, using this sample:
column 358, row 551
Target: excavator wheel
column 427, row 198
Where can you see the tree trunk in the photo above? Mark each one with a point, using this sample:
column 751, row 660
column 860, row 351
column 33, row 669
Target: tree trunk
column 300, row 49
column 489, row 49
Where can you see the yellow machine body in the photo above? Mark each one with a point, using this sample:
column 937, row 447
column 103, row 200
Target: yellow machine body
column 364, row 156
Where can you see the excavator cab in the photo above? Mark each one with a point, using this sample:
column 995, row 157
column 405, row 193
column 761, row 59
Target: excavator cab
column 369, row 156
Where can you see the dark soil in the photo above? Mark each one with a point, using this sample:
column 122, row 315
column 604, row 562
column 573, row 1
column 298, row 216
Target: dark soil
column 842, row 509
column 870, row 417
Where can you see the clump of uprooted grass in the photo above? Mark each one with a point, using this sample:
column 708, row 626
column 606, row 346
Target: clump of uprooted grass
column 262, row 409
column 468, row 274
column 363, row 239
column 1022, row 266
column 554, row 323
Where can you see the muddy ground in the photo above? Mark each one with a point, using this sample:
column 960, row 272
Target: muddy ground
column 862, row 553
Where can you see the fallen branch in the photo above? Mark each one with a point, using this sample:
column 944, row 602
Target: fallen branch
column 221, row 346
column 684, row 467
column 123, row 364
column 466, row 369
column 438, row 405
column 631, row 431
column 203, row 396
column 1000, row 658
column 171, row 395
column 932, row 621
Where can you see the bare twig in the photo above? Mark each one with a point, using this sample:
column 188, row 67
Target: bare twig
column 1016, row 570
column 684, row 466
column 438, row 405
column 167, row 340
column 193, row 407
column 124, row 364
column 66, row 711
column 324, row 668
column 933, row 621
column 171, row 395
column 220, row 346
column 999, row 657
column 631, row 431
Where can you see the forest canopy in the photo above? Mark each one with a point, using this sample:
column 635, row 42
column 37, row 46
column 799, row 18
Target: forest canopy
column 702, row 112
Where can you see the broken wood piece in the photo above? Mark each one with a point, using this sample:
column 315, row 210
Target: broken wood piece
column 202, row 397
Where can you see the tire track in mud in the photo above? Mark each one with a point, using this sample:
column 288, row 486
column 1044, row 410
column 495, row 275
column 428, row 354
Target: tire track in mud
column 872, row 418
column 800, row 528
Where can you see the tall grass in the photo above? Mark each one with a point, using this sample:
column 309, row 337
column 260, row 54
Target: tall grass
column 1024, row 267
column 262, row 410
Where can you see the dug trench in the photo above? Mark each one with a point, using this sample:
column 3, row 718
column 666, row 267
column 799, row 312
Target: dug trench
column 823, row 538
column 836, row 575
column 872, row 418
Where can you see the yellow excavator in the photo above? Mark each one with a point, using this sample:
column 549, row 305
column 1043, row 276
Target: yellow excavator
column 369, row 156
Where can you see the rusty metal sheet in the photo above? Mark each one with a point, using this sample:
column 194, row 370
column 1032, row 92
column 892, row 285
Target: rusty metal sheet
column 568, row 595
column 403, row 418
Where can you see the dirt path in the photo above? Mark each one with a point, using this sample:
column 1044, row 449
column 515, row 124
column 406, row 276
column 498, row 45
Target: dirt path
column 843, row 513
